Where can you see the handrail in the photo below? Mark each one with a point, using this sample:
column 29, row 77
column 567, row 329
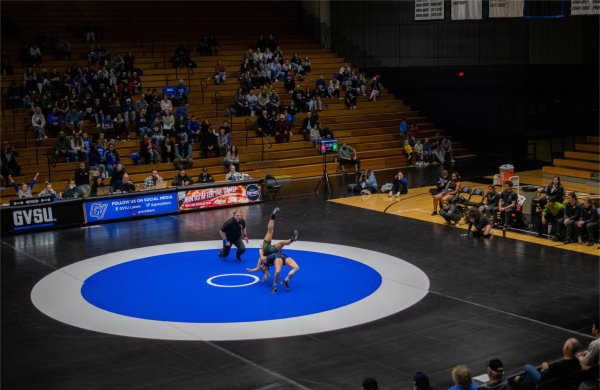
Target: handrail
column 325, row 36
column 164, row 57
column 246, row 129
column 218, row 99
column 51, row 158
column 190, row 73
column 37, row 142
column 14, row 113
column 265, row 141
column 25, row 128
column 203, row 86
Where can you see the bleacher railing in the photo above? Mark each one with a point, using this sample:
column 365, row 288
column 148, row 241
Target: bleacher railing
column 218, row 99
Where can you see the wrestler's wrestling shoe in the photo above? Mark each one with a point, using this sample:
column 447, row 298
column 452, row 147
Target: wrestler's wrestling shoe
column 275, row 210
column 286, row 283
column 274, row 290
column 294, row 236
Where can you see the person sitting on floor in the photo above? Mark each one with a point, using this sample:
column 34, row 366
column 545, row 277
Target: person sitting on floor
column 483, row 226
column 400, row 185
column 450, row 213
column 367, row 183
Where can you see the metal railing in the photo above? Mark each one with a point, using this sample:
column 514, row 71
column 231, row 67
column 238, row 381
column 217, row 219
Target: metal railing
column 246, row 121
column 203, row 87
column 218, row 99
column 266, row 141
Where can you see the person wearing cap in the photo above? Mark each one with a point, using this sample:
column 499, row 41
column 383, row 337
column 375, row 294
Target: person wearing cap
column 495, row 373
column 205, row 176
column 421, row 381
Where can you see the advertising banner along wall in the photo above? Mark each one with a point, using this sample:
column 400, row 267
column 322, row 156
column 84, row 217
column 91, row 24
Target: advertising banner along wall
column 204, row 198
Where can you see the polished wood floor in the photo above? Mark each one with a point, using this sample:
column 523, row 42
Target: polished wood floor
column 504, row 297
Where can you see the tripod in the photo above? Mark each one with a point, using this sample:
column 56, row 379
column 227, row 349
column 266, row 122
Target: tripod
column 324, row 180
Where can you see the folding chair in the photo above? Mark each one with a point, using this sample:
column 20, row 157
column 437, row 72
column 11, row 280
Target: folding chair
column 272, row 187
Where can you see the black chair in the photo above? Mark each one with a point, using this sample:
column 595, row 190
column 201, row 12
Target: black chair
column 271, row 187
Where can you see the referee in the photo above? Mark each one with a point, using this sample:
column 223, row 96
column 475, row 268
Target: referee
column 233, row 232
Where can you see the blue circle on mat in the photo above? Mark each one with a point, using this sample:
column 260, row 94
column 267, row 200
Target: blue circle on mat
column 173, row 287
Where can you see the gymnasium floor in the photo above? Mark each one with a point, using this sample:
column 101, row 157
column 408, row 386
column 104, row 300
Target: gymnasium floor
column 440, row 300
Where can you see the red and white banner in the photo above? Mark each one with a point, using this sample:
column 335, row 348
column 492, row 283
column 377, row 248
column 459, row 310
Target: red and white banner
column 466, row 9
column 429, row 9
column 506, row 8
column 585, row 7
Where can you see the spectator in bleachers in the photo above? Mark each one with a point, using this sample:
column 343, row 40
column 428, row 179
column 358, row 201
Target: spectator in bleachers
column 565, row 226
column 275, row 71
column 419, row 154
column 168, row 124
column 495, row 373
column 263, row 125
column 74, row 121
column 62, row 49
column 282, row 129
column 23, row 189
column 212, row 44
column 376, row 88
column 223, row 141
column 321, row 87
column 447, row 150
column 220, row 72
column 421, row 381
column 166, row 104
column 450, row 190
column 181, row 94
column 92, row 54
column 205, row 176
column 370, row 384
column 275, row 100
column 588, row 221
column 39, row 123
column 289, row 82
column 183, row 154
column 182, row 179
column 194, row 129
column 77, row 151
column 167, row 150
column 142, row 124
column 351, row 98
column 409, row 152
column 151, row 181
column 35, row 54
column 108, row 127
column 72, row 191
column 82, row 179
column 334, row 87
column 129, row 62
column 252, row 100
column 306, row 65
column 54, row 121
column 98, row 183
column 112, row 158
column 8, row 156
column 261, row 43
column 241, row 104
column 347, row 155
column 461, row 376
column 148, row 150
column 62, row 147
column 268, row 56
column 299, row 98
column 120, row 128
column 14, row 96
column 232, row 158
column 558, row 371
column 403, row 129
column 263, row 100
column 129, row 111
column 308, row 124
column 550, row 215
column 413, row 131
column 313, row 101
column 49, row 191
column 181, row 128
column 210, row 144
column 203, row 48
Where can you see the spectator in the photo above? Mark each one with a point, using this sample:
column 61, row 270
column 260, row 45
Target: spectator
column 8, row 156
column 241, row 104
column 112, row 158
column 167, row 150
column 233, row 175
column 447, row 150
column 151, row 181
column 589, row 359
column 183, row 155
column 23, row 190
column 205, row 176
column 108, row 127
column 491, row 199
column 282, row 129
column 559, row 370
column 554, row 188
column 427, row 152
column 588, row 221
column 461, row 376
column 232, row 158
column 210, row 144
column 39, row 123
column 508, row 203
column 483, row 226
column 376, row 88
column 306, row 65
column 181, row 94
column 124, row 185
column 263, row 125
column 412, row 133
column 74, row 121
column 223, row 141
column 182, row 179
column 370, row 384
column 495, row 373
column 334, row 87
column 82, row 179
column 14, row 95
column 62, row 147
column 148, row 150
column 450, row 213
column 400, row 185
column 77, row 150
column 49, row 191
column 130, row 111
column 120, row 128
column 72, row 191
column 351, row 98
column 143, row 124
column 193, row 129
column 347, row 155
column 566, row 225
column 409, row 152
column 418, row 153
column 451, row 189
column 166, row 104
column 62, row 49
column 168, row 123
column 181, row 128
column 404, row 130
column 308, row 124
column 421, row 381
column 220, row 72
column 54, row 121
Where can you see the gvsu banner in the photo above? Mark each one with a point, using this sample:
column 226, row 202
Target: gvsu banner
column 205, row 198
column 18, row 219
column 429, row 9
column 128, row 207
column 466, row 9
column 585, row 7
column 506, row 8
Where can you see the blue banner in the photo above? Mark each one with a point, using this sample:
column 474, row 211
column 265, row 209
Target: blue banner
column 132, row 206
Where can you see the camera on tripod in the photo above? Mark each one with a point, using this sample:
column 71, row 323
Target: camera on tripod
column 328, row 146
